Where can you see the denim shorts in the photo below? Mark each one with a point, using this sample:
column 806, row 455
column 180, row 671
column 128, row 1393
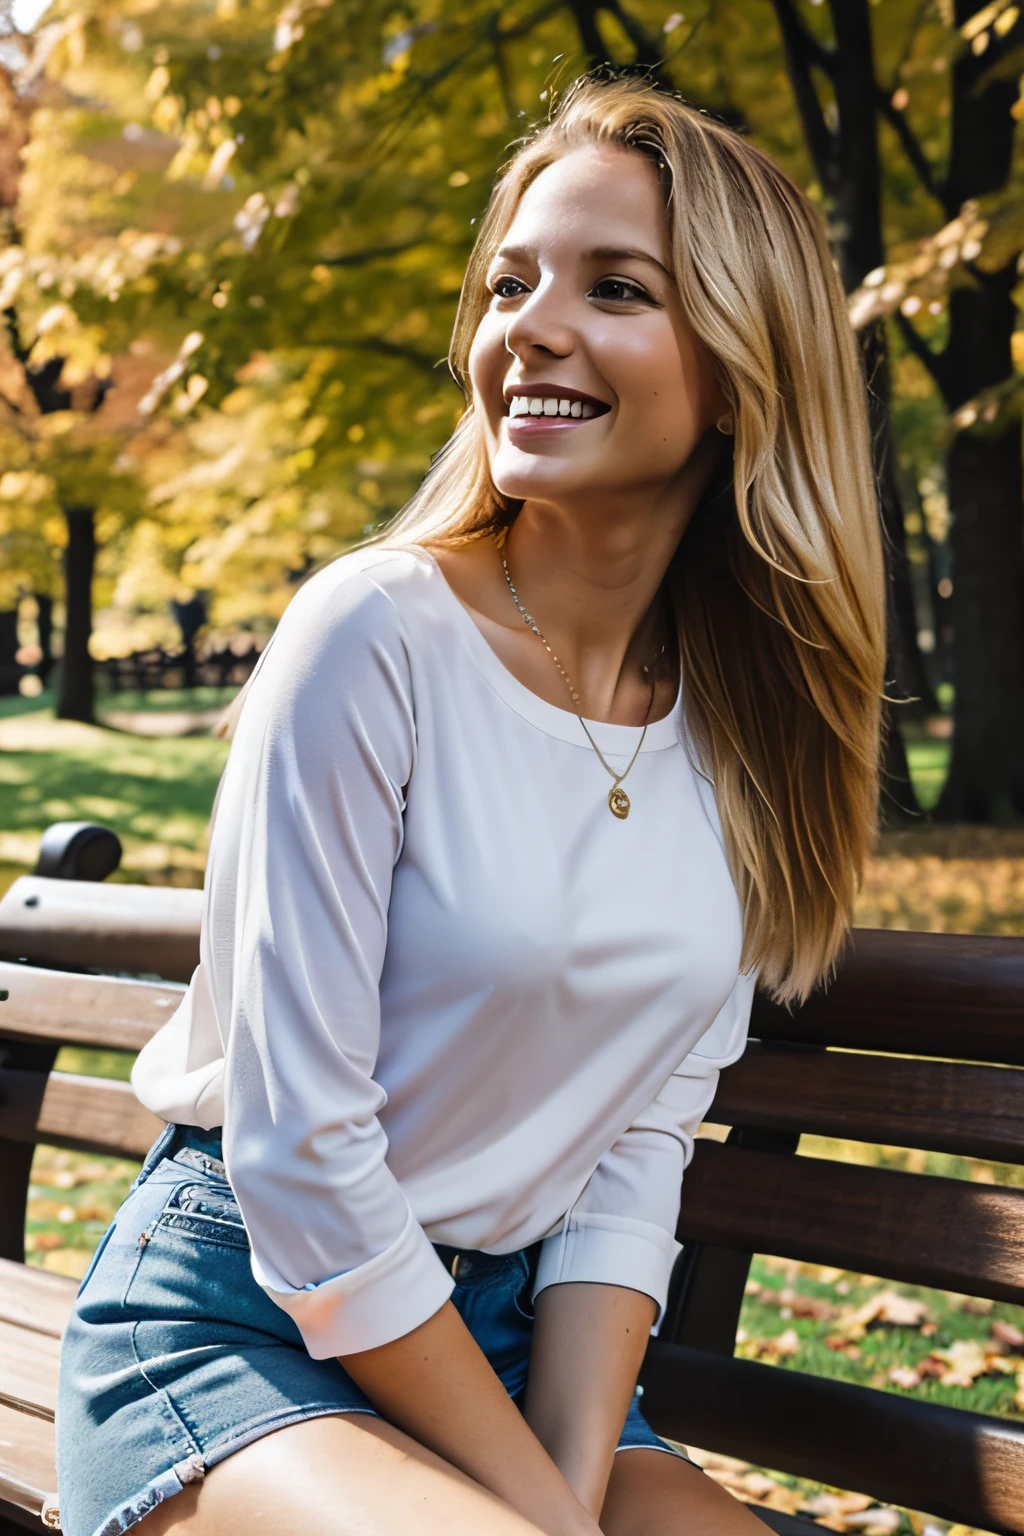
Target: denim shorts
column 174, row 1357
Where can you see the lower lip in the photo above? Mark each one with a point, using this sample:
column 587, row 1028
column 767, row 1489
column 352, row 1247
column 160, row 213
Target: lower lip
column 531, row 426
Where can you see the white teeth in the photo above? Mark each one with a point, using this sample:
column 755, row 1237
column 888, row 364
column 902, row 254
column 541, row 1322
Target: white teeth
column 550, row 405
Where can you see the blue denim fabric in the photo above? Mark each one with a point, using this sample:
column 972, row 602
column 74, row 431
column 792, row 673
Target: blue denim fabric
column 174, row 1357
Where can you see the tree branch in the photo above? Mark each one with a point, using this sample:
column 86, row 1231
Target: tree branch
column 802, row 52
column 935, row 362
column 648, row 51
column 911, row 144
column 360, row 258
column 382, row 348
column 811, row 49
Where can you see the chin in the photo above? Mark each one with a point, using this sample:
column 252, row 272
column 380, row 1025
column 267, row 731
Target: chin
column 538, row 479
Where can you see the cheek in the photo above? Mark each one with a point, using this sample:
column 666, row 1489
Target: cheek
column 663, row 390
column 486, row 365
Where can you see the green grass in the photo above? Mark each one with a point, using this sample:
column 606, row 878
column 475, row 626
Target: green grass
column 165, row 700
column 156, row 794
column 928, row 762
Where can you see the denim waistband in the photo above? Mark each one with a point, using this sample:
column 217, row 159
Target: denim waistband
column 202, row 1150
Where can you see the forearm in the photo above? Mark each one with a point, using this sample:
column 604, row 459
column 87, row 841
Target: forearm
column 436, row 1384
column 588, row 1346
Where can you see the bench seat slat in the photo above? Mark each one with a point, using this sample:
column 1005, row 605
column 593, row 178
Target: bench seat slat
column 29, row 1364
column 34, row 1299
column 918, row 994
column 964, row 1467
column 99, row 1011
column 903, row 1226
column 147, row 929
column 27, row 1475
column 937, row 1106
column 88, row 1114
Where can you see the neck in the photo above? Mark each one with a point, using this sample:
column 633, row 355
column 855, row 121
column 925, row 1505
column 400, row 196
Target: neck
column 593, row 579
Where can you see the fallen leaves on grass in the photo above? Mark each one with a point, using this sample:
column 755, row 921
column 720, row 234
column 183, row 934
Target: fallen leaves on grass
column 833, row 1510
column 792, row 1303
column 885, row 1307
column 770, row 1350
column 958, row 1366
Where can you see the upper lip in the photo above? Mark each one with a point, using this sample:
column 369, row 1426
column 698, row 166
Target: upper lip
column 552, row 392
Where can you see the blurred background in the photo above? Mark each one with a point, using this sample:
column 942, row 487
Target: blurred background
column 231, row 243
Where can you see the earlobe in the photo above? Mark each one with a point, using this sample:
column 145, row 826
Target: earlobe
column 726, row 425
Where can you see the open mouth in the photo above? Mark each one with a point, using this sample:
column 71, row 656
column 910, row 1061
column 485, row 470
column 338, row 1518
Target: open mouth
column 551, row 405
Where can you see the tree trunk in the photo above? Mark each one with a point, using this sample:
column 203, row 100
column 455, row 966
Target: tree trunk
column 44, row 629
column 10, row 672
column 986, row 778
column 856, row 185
column 75, row 696
column 983, row 471
column 985, row 781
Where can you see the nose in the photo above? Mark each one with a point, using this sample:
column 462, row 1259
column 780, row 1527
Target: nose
column 539, row 326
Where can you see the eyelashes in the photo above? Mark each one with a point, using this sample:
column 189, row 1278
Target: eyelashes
column 508, row 287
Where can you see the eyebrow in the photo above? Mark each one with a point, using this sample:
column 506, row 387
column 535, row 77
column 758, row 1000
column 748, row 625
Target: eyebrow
column 599, row 253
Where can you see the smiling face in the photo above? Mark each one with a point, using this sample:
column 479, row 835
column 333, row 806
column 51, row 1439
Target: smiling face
column 586, row 374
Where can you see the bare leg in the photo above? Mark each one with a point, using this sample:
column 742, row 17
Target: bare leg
column 651, row 1494
column 345, row 1475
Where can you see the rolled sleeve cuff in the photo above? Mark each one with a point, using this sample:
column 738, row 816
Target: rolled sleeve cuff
column 610, row 1250
column 383, row 1299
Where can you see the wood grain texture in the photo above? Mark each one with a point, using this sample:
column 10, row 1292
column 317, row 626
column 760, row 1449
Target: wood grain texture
column 88, row 1114
column 29, row 1365
column 923, row 994
column 903, row 1226
column 99, row 1011
column 27, row 1463
column 34, row 1299
column 140, row 928
column 976, row 1111
column 964, row 1467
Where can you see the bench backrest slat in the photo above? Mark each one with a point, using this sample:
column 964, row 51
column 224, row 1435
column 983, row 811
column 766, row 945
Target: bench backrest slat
column 964, row 1467
column 936, row 1106
column 99, row 1011
column 921, row 994
column 149, row 930
column 902, row 1226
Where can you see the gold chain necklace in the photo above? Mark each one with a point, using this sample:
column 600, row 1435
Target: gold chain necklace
column 618, row 800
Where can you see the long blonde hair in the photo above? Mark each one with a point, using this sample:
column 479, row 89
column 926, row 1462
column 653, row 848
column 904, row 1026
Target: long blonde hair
column 778, row 581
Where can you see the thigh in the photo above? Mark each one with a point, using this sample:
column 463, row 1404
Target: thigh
column 652, row 1494
column 346, row 1475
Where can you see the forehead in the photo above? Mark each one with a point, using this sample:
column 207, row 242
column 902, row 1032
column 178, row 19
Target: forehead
column 597, row 195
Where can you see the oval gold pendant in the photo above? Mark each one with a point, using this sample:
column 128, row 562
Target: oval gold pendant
column 618, row 802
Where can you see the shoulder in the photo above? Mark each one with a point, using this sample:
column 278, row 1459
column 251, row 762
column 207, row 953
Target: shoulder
column 365, row 595
column 343, row 638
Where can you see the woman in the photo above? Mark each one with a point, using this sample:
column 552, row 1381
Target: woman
column 521, row 799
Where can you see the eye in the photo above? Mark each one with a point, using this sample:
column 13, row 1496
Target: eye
column 507, row 287
column 619, row 290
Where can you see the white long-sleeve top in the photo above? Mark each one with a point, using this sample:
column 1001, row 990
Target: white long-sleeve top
column 443, row 994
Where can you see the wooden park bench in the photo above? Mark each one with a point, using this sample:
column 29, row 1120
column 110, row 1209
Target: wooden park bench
column 918, row 1044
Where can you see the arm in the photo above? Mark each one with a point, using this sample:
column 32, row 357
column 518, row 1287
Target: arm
column 603, row 1280
column 436, row 1384
column 309, row 827
column 588, row 1346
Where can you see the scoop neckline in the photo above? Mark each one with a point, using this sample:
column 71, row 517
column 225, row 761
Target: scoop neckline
column 614, row 740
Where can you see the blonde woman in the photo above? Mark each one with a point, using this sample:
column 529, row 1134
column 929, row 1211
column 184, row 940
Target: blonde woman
column 522, row 798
